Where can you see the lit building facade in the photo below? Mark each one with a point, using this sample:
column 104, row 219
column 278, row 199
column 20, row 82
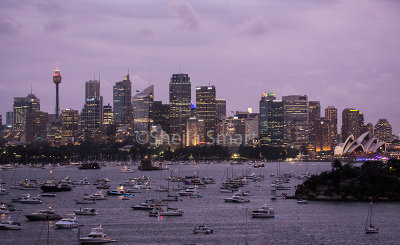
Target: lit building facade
column 180, row 103
column 271, row 120
column 206, row 109
column 92, row 113
column 23, row 105
column 331, row 116
column 221, row 108
column 195, row 129
column 161, row 115
column 69, row 122
column 314, row 117
column 108, row 115
column 383, row 130
column 35, row 125
column 352, row 123
column 9, row 119
column 143, row 104
column 296, row 124
column 122, row 102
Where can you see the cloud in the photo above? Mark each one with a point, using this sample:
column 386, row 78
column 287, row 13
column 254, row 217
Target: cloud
column 146, row 31
column 256, row 25
column 185, row 12
column 8, row 27
column 53, row 26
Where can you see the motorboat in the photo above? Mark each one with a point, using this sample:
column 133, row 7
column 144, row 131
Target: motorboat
column 48, row 214
column 226, row 190
column 10, row 225
column 171, row 212
column 30, row 200
column 196, row 195
column 202, row 229
column 187, row 192
column 125, row 169
column 263, row 212
column 85, row 211
column 85, row 201
column 49, row 194
column 89, row 165
column 3, row 191
column 4, row 209
column 81, row 182
column 8, row 167
column 302, row 201
column 144, row 206
column 96, row 236
column 237, row 199
column 171, row 198
column 126, row 197
column 103, row 186
column 95, row 196
column 118, row 191
column 51, row 186
column 67, row 223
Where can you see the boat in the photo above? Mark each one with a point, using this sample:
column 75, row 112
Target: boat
column 171, row 198
column 96, row 236
column 81, row 182
column 10, row 225
column 202, row 229
column 67, row 223
column 3, row 191
column 103, row 186
column 369, row 228
column 126, row 170
column 30, row 200
column 89, row 165
column 48, row 214
column 8, row 167
column 263, row 212
column 85, row 211
column 302, row 201
column 85, row 201
column 171, row 212
column 118, row 191
column 144, row 206
column 237, row 199
column 95, row 196
column 50, row 194
column 4, row 209
column 51, row 186
column 126, row 197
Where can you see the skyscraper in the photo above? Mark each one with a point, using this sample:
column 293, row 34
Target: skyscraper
column 295, row 116
column 161, row 115
column 35, row 124
column 383, row 130
column 271, row 120
column 21, row 106
column 9, row 119
column 314, row 116
column 122, row 103
column 206, row 109
column 108, row 116
column 352, row 123
column 142, row 104
column 1, row 122
column 331, row 119
column 180, row 103
column 69, row 121
column 221, row 108
column 57, row 81
column 92, row 113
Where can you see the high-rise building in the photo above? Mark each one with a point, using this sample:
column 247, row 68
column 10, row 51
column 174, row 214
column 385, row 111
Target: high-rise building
column 206, row 109
column 322, row 140
column 35, row 124
column 57, row 81
column 296, row 124
column 314, row 117
column 271, row 120
column 142, row 104
column 251, row 121
column 108, row 116
column 180, row 103
column 331, row 120
column 22, row 105
column 9, row 119
column 369, row 128
column 92, row 89
column 221, row 108
column 92, row 113
column 383, row 130
column 69, row 122
column 122, row 93
column 161, row 115
column 1, row 122
column 195, row 131
column 352, row 123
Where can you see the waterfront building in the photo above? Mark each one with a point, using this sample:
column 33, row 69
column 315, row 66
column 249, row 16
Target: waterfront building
column 180, row 103
column 383, row 130
column 296, row 124
column 271, row 120
column 206, row 109
column 352, row 123
column 122, row 102
column 331, row 118
column 23, row 105
column 221, row 108
column 142, row 104
column 314, row 117
column 69, row 122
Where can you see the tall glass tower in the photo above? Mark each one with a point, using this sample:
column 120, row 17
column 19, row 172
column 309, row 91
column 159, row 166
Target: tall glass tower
column 180, row 102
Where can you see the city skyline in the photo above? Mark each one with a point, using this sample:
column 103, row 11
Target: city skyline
column 303, row 48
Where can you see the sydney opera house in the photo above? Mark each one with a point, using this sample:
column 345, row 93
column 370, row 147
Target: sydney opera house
column 365, row 144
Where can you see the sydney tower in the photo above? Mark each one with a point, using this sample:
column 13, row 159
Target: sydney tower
column 57, row 80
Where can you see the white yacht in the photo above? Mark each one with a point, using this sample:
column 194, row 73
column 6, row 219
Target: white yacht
column 10, row 225
column 85, row 211
column 125, row 169
column 85, row 201
column 48, row 214
column 4, row 209
column 171, row 212
column 8, row 167
column 202, row 229
column 48, row 194
column 96, row 236
column 302, row 201
column 67, row 223
column 30, row 200
column 95, row 196
column 263, row 212
column 237, row 199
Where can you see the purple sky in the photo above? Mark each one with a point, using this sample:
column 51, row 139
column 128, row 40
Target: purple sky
column 342, row 53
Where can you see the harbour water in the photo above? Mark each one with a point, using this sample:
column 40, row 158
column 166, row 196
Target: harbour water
column 314, row 223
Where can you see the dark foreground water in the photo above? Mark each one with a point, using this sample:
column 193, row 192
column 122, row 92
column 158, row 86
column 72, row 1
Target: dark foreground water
column 314, row 223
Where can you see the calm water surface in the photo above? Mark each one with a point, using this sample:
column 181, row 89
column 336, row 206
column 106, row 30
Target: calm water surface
column 315, row 223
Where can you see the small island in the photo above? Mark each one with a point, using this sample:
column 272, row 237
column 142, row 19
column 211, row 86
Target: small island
column 373, row 180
